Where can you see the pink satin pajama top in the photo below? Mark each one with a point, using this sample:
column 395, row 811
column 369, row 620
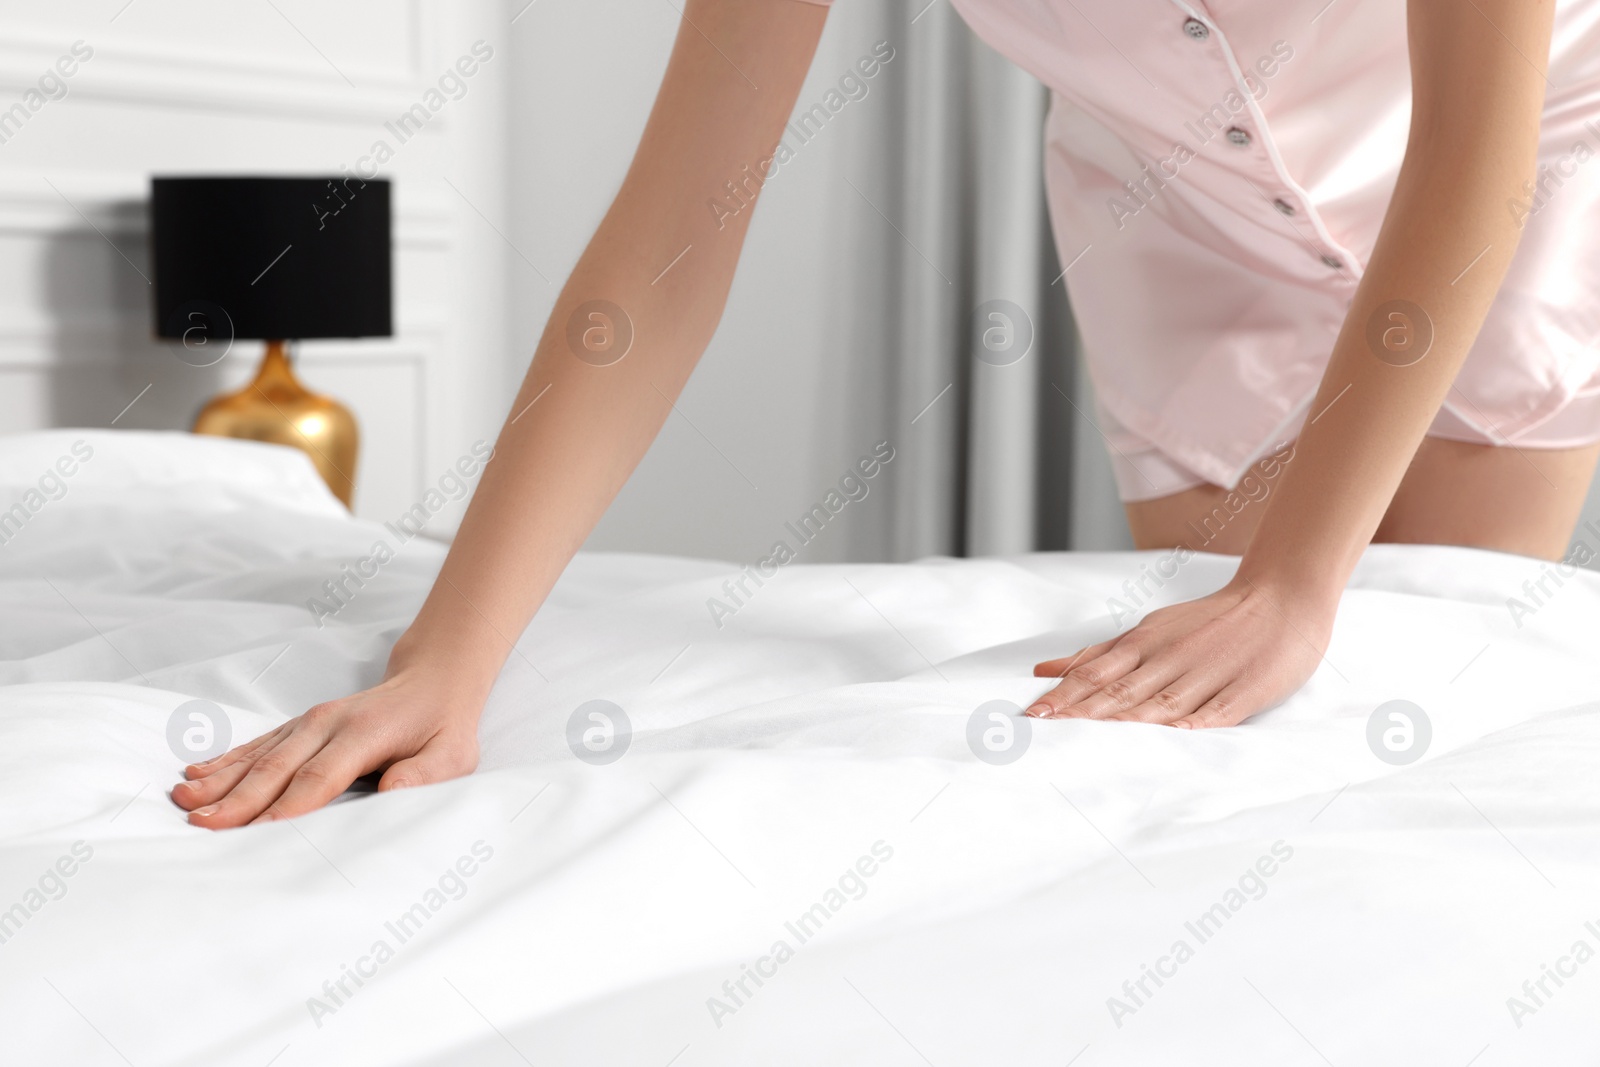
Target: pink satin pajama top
column 1217, row 174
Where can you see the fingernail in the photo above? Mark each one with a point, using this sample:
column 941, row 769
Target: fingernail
column 267, row 816
column 209, row 809
column 1180, row 724
column 194, row 787
column 1039, row 710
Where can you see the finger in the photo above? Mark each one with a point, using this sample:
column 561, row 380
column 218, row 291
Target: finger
column 233, row 755
column 264, row 782
column 1058, row 668
column 439, row 761
column 1228, row 708
column 198, row 792
column 1085, row 678
column 1175, row 700
column 1123, row 693
column 324, row 776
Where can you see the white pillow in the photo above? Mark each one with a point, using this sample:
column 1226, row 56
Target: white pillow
column 169, row 469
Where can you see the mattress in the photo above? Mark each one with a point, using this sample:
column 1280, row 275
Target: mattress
column 792, row 835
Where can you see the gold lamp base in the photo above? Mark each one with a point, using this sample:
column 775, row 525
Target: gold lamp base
column 277, row 409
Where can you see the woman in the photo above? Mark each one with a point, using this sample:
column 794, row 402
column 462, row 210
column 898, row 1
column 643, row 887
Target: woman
column 1279, row 226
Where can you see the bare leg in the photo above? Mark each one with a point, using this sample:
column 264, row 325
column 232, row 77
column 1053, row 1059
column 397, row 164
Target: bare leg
column 1525, row 501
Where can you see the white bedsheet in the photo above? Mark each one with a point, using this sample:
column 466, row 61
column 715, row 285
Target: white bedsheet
column 608, row 904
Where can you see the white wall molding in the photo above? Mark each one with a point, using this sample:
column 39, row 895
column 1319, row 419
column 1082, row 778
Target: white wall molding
column 139, row 72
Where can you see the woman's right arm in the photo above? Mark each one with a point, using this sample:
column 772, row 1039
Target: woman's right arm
column 576, row 429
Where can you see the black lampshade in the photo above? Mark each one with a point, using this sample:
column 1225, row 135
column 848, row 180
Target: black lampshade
column 276, row 258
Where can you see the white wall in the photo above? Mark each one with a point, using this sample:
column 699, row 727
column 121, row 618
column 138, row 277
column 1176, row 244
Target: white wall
column 295, row 87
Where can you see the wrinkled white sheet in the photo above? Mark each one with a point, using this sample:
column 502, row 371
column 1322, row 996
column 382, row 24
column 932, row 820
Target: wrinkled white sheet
column 606, row 905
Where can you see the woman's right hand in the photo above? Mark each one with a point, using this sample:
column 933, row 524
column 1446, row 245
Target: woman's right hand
column 415, row 726
column 554, row 472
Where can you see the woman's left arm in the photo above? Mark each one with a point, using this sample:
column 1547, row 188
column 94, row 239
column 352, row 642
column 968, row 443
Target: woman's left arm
column 1478, row 85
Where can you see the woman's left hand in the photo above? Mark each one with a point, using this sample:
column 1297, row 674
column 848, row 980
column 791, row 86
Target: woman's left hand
column 1215, row 661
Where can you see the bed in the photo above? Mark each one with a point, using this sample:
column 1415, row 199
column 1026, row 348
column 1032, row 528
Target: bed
column 795, row 844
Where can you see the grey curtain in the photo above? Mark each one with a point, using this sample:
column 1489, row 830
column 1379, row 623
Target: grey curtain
column 961, row 312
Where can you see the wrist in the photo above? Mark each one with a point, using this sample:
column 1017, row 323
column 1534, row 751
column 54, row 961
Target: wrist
column 460, row 677
column 1309, row 585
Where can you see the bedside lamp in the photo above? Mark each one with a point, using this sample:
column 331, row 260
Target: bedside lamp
column 278, row 260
